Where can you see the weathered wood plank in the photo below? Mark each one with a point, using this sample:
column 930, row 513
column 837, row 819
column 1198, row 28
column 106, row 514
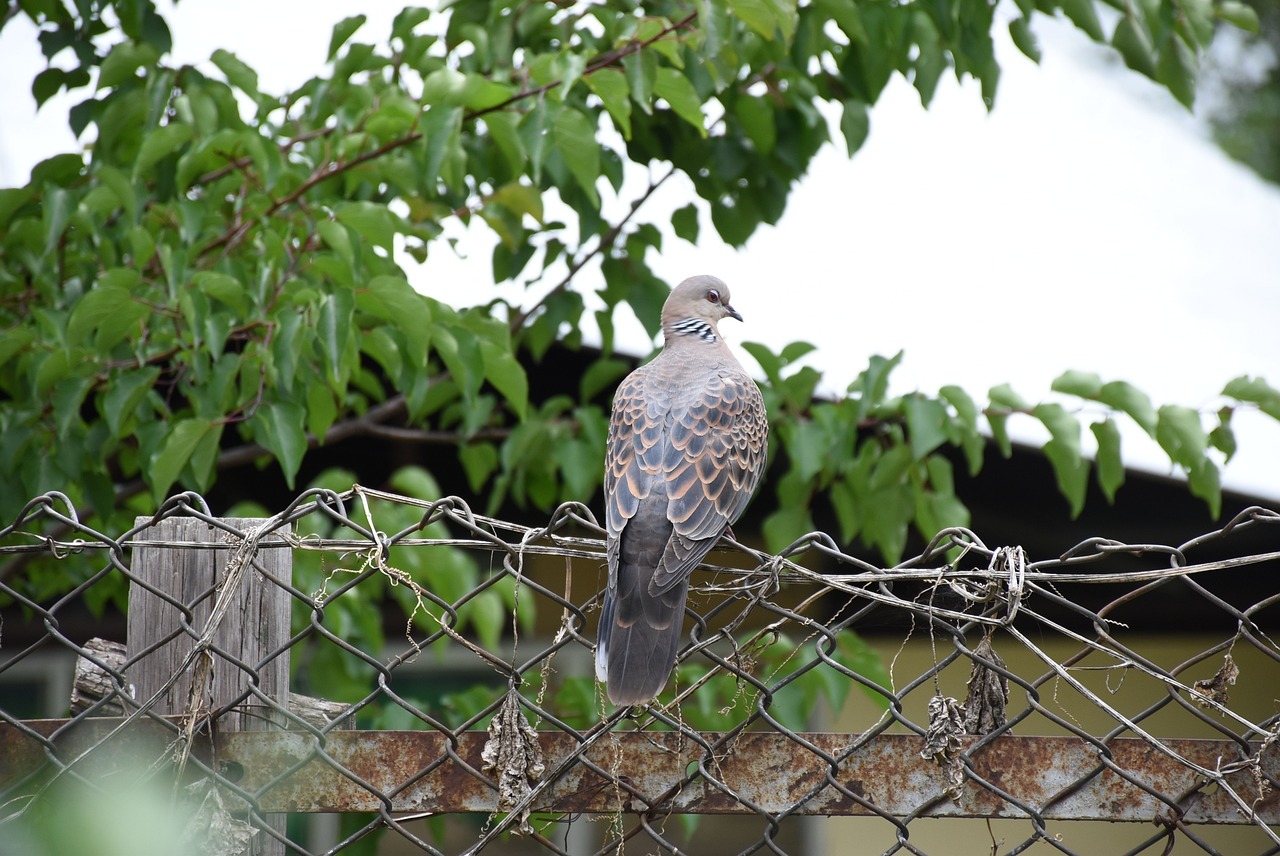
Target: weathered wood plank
column 172, row 605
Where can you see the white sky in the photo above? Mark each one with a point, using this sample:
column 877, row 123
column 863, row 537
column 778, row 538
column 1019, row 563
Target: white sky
column 1086, row 223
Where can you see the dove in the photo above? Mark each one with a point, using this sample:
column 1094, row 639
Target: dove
column 687, row 445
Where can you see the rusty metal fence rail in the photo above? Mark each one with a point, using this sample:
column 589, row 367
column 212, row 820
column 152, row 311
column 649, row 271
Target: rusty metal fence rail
column 822, row 704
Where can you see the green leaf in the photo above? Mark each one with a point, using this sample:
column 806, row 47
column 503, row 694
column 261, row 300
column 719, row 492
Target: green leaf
column 1025, row 40
column 47, row 84
column 1206, row 482
column 407, row 20
column 1125, row 397
column 845, row 14
column 1181, row 434
column 12, row 199
column 333, row 325
column 599, row 375
column 502, row 127
column 999, row 423
column 57, row 211
column 442, row 128
column 1238, row 14
column 685, row 223
column 807, row 444
column 1177, row 68
column 1062, row 425
column 971, row 440
column 936, row 505
column 68, row 396
column 337, row 239
column 678, row 92
column 641, row 69
column 458, row 351
column 756, row 116
column 123, row 62
column 108, row 312
column 444, row 86
column 160, row 143
column 857, row 656
column 123, row 395
column 280, row 431
column 503, row 370
column 1081, row 384
column 576, row 141
column 52, row 369
column 855, row 124
column 1071, row 471
column 520, row 199
column 322, row 410
column 1223, row 438
column 224, row 288
column 770, row 363
column 888, row 511
column 479, row 460
column 1083, row 15
column 176, row 452
column 392, row 299
column 238, row 74
column 1004, row 396
column 963, row 403
column 204, row 459
column 580, row 467
column 786, row 525
column 488, row 616
column 926, row 424
column 931, row 60
column 342, row 31
column 416, row 482
column 759, row 15
column 872, row 383
column 1110, row 468
column 1134, row 44
column 123, row 187
column 14, row 341
column 372, row 222
column 1256, row 391
column 610, row 85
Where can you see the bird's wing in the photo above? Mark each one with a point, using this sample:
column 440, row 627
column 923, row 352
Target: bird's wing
column 712, row 462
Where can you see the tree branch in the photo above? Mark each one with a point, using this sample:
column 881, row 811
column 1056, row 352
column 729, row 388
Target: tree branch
column 606, row 240
column 331, row 169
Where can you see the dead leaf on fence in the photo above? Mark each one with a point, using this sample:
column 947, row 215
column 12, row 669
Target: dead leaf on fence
column 942, row 744
column 984, row 706
column 1215, row 689
column 214, row 831
column 513, row 752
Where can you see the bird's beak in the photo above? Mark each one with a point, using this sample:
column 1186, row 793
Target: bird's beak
column 733, row 313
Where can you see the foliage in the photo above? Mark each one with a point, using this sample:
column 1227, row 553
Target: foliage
column 1246, row 124
column 223, row 275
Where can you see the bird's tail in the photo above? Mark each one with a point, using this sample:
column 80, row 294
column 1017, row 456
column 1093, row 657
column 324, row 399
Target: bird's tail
column 638, row 641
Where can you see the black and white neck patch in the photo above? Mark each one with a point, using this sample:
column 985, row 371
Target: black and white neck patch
column 696, row 327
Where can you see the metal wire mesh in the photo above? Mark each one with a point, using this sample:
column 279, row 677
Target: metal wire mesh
column 966, row 682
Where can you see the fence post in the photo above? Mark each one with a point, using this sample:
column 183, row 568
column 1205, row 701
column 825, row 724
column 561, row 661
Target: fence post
column 255, row 625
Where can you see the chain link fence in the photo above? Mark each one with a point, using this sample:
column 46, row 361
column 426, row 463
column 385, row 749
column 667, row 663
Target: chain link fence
column 969, row 699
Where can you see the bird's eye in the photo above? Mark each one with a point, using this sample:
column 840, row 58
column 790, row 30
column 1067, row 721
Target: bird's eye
column 713, row 296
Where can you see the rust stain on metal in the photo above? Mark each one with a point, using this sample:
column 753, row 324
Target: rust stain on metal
column 24, row 752
column 415, row 771
column 1061, row 777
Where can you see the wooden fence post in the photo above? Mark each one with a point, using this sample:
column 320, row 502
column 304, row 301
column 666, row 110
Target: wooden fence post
column 255, row 624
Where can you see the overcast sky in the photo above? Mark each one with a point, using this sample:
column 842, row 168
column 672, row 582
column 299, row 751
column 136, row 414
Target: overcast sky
column 1087, row 223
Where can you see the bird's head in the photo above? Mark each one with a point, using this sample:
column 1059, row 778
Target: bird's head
column 695, row 306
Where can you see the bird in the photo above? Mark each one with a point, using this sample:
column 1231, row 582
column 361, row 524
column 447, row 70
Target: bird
column 687, row 445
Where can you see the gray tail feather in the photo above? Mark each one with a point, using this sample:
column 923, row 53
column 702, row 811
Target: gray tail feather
column 635, row 659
